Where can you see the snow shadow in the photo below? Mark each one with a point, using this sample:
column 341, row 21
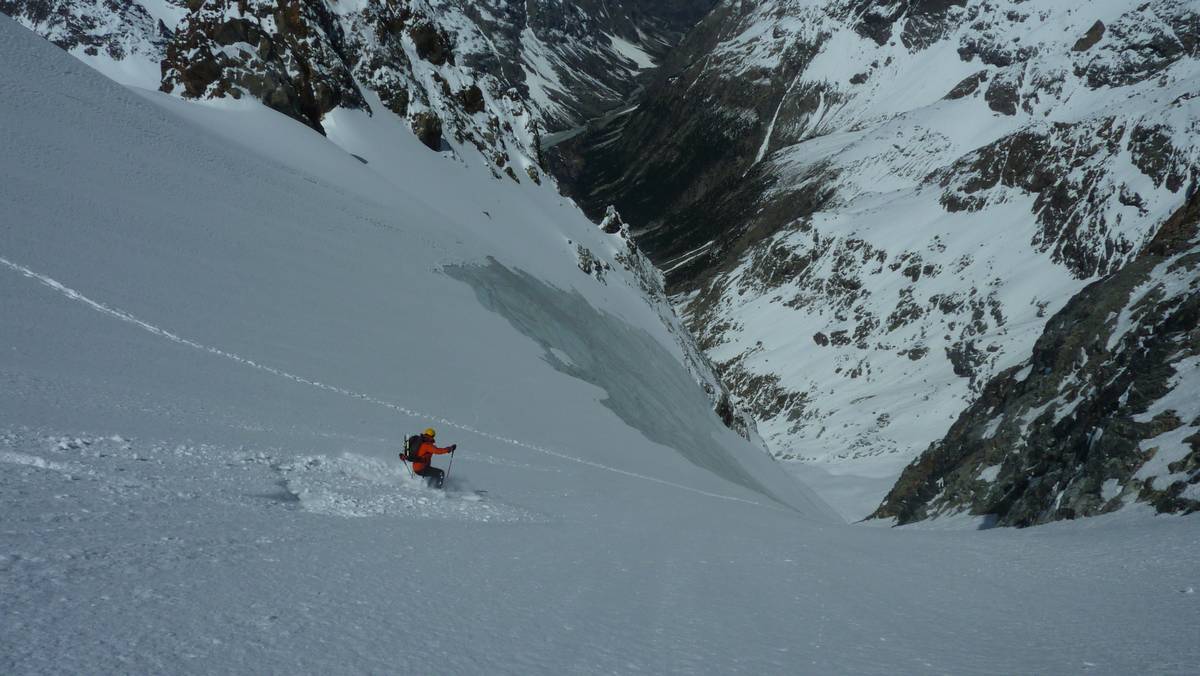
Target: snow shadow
column 647, row 387
column 284, row 496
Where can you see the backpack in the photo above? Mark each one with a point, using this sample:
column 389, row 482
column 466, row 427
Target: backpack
column 411, row 446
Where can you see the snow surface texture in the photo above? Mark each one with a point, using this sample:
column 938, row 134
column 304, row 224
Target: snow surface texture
column 135, row 555
column 214, row 321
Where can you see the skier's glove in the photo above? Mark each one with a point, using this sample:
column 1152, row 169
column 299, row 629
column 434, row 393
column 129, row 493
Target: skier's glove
column 453, row 447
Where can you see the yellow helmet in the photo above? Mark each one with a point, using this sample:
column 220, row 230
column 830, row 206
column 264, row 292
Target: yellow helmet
column 430, row 432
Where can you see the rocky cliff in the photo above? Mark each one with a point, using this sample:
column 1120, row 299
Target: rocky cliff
column 1106, row 411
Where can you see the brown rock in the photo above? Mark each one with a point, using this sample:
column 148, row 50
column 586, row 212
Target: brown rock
column 431, row 44
column 471, row 99
column 1090, row 38
column 428, row 128
column 967, row 86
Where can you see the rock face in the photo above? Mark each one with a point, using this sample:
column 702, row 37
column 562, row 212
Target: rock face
column 304, row 60
column 290, row 55
column 1105, row 412
column 868, row 209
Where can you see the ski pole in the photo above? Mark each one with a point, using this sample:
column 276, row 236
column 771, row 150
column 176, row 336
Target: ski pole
column 450, row 464
column 410, row 472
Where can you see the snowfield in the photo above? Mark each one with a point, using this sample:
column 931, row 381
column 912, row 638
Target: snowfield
column 216, row 327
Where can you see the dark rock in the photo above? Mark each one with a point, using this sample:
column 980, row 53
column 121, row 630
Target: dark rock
column 472, row 99
column 1002, row 97
column 397, row 102
column 924, row 21
column 965, row 358
column 612, row 223
column 431, row 43
column 968, row 85
column 231, row 31
column 589, row 264
column 428, row 128
column 1152, row 152
column 1090, row 38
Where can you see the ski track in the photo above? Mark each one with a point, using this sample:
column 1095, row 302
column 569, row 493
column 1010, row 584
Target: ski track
column 116, row 313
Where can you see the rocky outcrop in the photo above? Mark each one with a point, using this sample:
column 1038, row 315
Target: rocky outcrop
column 291, row 55
column 428, row 128
column 1106, row 411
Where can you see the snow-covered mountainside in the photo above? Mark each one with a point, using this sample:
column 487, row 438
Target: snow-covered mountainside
column 578, row 59
column 531, row 66
column 216, row 326
column 307, row 58
column 1106, row 411
column 868, row 209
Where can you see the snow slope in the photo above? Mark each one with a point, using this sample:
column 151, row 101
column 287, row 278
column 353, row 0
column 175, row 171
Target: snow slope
column 218, row 324
column 330, row 269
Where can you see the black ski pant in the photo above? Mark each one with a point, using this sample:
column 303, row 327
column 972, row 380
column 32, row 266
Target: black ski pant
column 433, row 476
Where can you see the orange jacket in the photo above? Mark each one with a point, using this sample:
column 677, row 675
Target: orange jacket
column 425, row 454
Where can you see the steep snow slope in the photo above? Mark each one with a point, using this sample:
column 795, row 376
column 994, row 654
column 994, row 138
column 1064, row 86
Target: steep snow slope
column 870, row 208
column 200, row 249
column 213, row 322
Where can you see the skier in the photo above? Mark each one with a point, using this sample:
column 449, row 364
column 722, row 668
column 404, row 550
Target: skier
column 422, row 458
